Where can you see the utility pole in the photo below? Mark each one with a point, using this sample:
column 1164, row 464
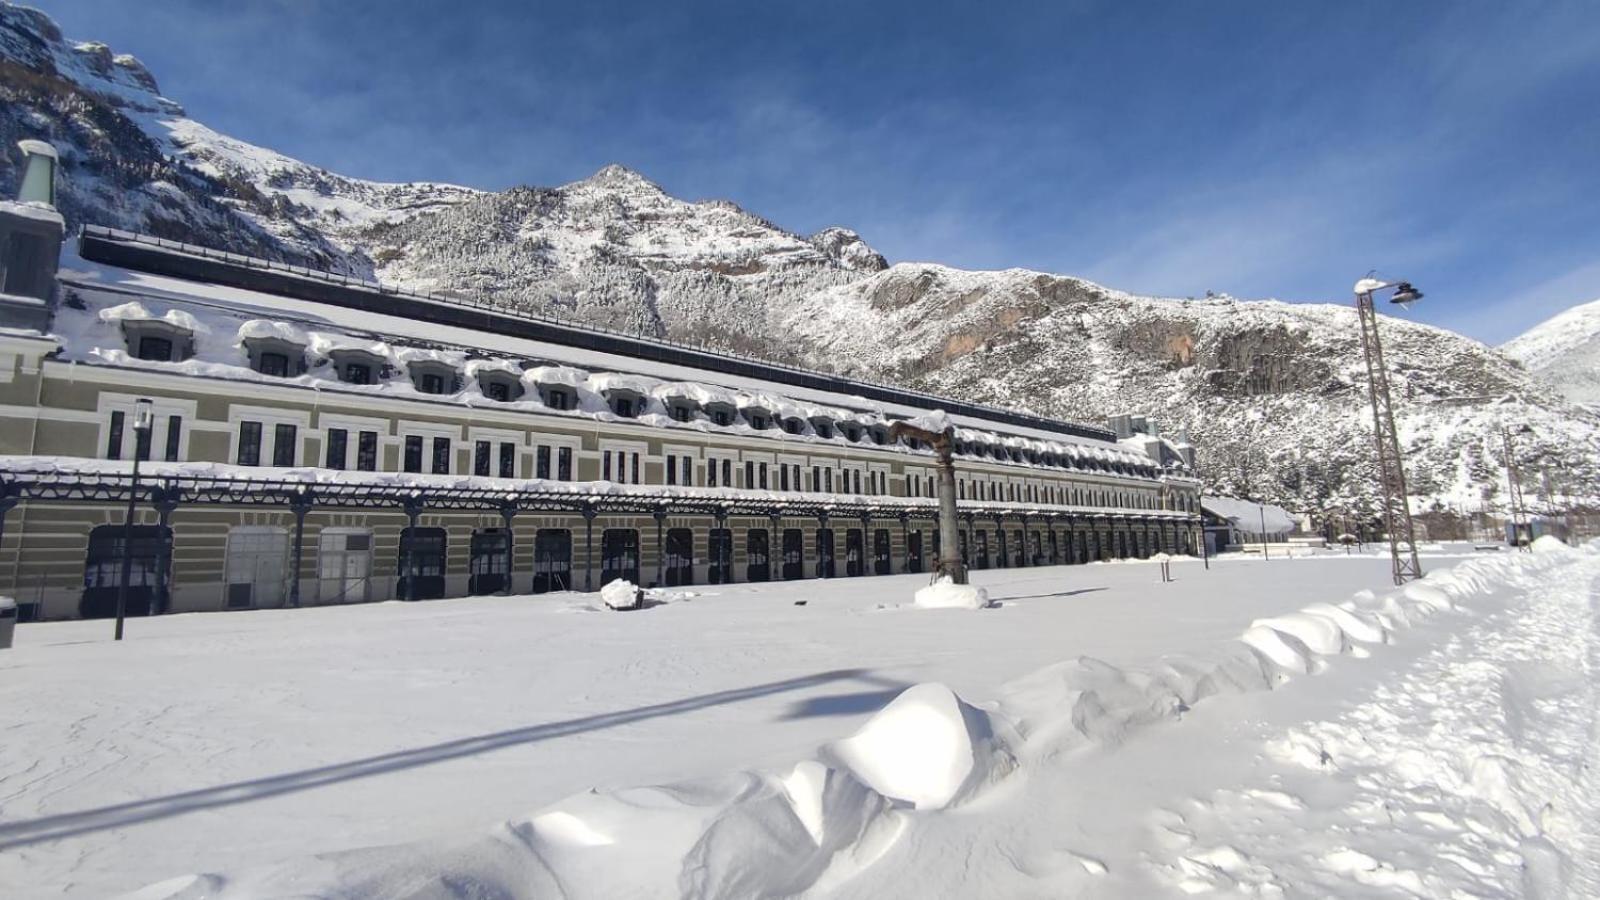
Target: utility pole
column 943, row 444
column 1404, row 565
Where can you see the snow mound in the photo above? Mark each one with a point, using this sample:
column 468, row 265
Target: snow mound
column 927, row 748
column 746, row 834
column 620, row 594
column 946, row 594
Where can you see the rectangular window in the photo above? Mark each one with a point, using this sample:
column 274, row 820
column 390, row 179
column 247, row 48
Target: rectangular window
column 114, row 435
column 828, row 480
column 816, row 479
column 749, row 475
column 480, row 458
column 672, row 469
column 441, row 456
column 155, row 348
column 711, row 473
column 338, row 445
column 141, row 444
column 249, row 444
column 858, row 481
column 688, row 472
column 783, row 478
column 636, row 468
column 413, row 454
column 508, row 460
column 274, row 364
column 357, row 373
column 564, row 464
column 367, row 451
column 541, row 462
column 283, row 444
column 174, row 437
column 727, row 473
column 605, row 465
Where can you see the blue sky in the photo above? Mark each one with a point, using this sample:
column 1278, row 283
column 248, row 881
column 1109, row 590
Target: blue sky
column 1263, row 149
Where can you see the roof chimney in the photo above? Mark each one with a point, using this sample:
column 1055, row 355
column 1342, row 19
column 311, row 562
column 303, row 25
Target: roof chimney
column 38, row 183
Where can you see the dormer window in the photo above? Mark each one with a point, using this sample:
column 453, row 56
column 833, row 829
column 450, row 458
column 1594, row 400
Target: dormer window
column 721, row 413
column 158, row 340
column 759, row 419
column 275, row 357
column 822, row 427
column 558, row 396
column 880, row 434
column 434, row 377
column 851, row 433
column 354, row 366
column 793, row 425
column 495, row 383
column 625, row 403
column 680, row 409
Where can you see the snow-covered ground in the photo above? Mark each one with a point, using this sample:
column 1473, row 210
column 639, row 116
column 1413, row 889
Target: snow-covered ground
column 230, row 742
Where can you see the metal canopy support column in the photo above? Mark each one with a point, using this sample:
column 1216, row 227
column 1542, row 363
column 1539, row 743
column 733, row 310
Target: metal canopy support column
column 724, row 546
column 300, row 505
column 660, row 515
column 905, row 540
column 1001, row 554
column 1027, row 541
column 822, row 524
column 508, row 511
column 414, row 506
column 588, row 546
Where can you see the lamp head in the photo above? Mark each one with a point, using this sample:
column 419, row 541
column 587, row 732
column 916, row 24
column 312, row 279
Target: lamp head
column 1405, row 294
column 143, row 414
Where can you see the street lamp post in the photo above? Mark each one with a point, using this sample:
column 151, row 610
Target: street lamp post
column 142, row 419
column 1404, row 564
column 943, row 444
column 1514, row 479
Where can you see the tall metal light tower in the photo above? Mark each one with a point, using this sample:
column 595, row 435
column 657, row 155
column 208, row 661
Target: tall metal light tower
column 1519, row 509
column 1391, row 469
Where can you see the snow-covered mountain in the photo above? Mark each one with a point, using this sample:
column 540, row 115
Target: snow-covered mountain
column 1564, row 352
column 1271, row 392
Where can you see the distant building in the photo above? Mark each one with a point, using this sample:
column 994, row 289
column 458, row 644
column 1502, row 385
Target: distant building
column 1231, row 523
column 317, row 439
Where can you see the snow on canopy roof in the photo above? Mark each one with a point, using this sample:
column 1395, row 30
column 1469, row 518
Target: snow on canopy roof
column 1247, row 515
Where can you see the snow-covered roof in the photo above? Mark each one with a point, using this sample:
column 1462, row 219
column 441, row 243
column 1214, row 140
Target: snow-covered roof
column 106, row 294
column 1248, row 515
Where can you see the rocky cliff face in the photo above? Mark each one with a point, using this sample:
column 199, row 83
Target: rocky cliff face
column 1272, row 393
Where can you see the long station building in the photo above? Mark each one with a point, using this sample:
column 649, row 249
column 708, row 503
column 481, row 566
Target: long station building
column 314, row 439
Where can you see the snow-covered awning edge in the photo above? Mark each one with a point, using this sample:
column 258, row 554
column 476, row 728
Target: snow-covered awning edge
column 226, row 483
